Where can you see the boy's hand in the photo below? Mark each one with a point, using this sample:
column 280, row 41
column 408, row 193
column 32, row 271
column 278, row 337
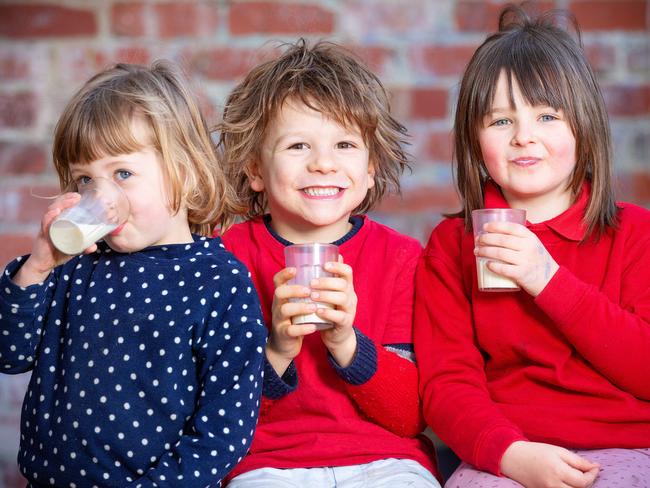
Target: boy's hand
column 44, row 256
column 524, row 258
column 285, row 339
column 537, row 465
column 338, row 290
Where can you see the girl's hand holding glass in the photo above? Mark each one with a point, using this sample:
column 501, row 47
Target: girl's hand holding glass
column 519, row 255
column 44, row 256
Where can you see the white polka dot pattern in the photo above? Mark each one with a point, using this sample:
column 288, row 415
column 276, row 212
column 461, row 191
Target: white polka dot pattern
column 146, row 367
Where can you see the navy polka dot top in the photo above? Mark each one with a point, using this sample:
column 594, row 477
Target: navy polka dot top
column 146, row 367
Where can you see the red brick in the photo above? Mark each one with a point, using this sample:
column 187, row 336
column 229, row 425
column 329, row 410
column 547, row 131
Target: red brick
column 224, row 63
column 611, row 15
column 17, row 110
column 440, row 146
column 421, row 199
column 627, row 100
column 279, row 18
column 14, row 245
column 636, row 187
column 41, row 20
column 134, row 55
column 207, row 106
column 186, row 19
column 22, row 159
column 483, row 16
column 387, row 18
column 400, row 102
column 638, row 59
column 601, row 57
column 128, row 19
column 441, row 60
column 26, row 204
column 75, row 66
column 14, row 65
column 428, row 103
column 376, row 57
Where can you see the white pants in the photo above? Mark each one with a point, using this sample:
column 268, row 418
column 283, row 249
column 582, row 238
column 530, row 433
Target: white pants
column 386, row 473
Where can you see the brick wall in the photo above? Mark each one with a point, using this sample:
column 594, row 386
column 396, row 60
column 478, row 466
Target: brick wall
column 417, row 47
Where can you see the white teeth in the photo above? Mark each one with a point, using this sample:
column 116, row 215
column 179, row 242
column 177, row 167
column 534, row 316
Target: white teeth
column 321, row 192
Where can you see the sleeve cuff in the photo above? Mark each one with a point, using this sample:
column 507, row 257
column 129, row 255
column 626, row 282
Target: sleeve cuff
column 493, row 447
column 363, row 365
column 21, row 297
column 274, row 386
column 562, row 297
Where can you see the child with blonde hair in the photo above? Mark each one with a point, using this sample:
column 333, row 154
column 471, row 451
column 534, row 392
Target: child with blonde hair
column 310, row 145
column 145, row 350
column 546, row 386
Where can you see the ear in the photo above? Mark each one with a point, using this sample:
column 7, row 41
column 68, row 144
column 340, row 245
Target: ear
column 371, row 173
column 254, row 176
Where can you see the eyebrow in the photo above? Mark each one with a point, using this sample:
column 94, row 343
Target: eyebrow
column 499, row 109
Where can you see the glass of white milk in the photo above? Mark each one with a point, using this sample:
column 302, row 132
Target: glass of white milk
column 102, row 209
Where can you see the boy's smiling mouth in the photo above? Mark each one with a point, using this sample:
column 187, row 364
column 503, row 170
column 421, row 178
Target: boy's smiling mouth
column 322, row 191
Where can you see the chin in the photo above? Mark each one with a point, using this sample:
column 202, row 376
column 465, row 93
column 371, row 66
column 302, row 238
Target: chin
column 117, row 246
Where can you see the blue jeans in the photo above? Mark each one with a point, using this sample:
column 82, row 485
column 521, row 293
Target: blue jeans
column 386, row 473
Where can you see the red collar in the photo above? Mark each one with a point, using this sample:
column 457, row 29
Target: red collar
column 569, row 224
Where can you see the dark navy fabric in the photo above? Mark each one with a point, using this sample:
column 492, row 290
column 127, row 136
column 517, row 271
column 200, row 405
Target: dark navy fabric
column 147, row 367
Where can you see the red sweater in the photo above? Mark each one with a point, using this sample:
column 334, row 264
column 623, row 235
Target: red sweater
column 326, row 420
column 570, row 367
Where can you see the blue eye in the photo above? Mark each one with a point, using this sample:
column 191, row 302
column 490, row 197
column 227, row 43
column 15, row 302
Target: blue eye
column 548, row 118
column 83, row 180
column 500, row 122
column 123, row 174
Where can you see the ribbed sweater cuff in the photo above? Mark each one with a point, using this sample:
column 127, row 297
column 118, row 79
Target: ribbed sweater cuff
column 364, row 362
column 274, row 386
column 21, row 298
column 562, row 298
column 494, row 445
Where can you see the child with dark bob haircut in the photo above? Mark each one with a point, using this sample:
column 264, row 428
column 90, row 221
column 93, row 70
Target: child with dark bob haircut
column 310, row 146
column 546, row 386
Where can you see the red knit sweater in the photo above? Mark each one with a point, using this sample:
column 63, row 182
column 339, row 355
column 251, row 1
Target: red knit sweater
column 569, row 367
column 327, row 421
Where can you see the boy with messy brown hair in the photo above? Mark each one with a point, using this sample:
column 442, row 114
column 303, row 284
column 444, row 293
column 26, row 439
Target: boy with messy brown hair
column 310, row 146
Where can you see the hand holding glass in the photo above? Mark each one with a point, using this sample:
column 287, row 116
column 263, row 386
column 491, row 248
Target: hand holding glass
column 489, row 280
column 308, row 259
column 102, row 209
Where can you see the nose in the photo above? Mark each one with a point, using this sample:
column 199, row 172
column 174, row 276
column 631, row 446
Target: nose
column 524, row 133
column 322, row 161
